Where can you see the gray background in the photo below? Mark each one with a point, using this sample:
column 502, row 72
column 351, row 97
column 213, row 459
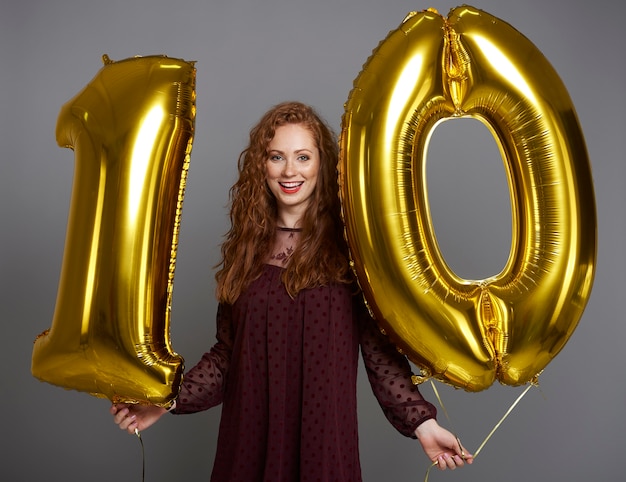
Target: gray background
column 251, row 54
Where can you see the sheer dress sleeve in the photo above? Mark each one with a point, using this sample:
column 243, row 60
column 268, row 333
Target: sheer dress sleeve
column 389, row 374
column 203, row 385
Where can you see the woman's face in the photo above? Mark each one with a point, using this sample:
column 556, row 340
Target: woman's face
column 292, row 167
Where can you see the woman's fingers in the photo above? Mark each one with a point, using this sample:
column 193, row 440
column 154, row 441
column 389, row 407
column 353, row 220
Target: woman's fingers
column 450, row 461
column 123, row 418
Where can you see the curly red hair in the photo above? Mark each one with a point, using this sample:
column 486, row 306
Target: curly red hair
column 322, row 254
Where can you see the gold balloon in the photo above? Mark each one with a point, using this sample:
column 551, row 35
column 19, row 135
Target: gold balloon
column 131, row 129
column 467, row 333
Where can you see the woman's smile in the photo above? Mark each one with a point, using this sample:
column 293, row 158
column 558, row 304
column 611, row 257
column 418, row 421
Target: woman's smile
column 291, row 187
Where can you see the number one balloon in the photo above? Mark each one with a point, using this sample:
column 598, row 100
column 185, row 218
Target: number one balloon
column 468, row 333
column 131, row 129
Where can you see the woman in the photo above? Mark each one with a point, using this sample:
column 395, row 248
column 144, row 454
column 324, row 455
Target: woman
column 289, row 325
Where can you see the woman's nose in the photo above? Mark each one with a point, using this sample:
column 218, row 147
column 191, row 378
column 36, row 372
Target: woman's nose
column 289, row 168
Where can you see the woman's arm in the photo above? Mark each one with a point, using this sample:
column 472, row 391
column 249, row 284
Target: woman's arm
column 389, row 374
column 203, row 385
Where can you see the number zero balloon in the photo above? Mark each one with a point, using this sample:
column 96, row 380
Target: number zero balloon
column 131, row 129
column 467, row 333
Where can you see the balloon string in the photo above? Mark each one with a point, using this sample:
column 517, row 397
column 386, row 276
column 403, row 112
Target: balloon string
column 143, row 456
column 502, row 419
column 508, row 412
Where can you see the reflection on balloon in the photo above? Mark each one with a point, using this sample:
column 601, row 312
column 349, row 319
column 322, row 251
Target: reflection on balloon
column 131, row 129
column 467, row 333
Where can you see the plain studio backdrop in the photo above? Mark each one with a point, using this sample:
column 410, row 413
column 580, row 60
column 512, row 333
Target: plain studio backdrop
column 250, row 55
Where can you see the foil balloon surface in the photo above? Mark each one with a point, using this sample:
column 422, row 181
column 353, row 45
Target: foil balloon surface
column 467, row 333
column 131, row 130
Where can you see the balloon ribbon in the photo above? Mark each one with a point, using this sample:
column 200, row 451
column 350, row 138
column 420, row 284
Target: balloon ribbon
column 490, row 433
column 143, row 456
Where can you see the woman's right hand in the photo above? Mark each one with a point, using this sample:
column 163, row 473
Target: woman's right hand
column 135, row 417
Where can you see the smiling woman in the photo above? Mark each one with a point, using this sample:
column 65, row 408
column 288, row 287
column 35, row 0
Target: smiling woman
column 290, row 325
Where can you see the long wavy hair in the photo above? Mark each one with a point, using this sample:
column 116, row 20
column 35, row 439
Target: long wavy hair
column 322, row 254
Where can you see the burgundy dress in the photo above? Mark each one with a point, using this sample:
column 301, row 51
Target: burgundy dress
column 285, row 371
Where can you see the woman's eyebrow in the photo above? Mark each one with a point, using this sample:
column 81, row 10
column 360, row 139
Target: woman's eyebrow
column 297, row 151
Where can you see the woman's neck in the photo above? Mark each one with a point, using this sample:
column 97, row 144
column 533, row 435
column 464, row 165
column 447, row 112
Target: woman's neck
column 289, row 221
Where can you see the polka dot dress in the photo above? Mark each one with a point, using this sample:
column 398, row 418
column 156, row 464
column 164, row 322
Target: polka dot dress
column 285, row 370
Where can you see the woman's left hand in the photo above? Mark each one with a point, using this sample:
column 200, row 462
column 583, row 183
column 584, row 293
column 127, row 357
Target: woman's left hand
column 441, row 446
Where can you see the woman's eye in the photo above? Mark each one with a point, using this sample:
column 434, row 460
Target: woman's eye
column 275, row 157
column 303, row 158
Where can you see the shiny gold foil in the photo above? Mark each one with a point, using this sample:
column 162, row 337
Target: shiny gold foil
column 468, row 333
column 131, row 129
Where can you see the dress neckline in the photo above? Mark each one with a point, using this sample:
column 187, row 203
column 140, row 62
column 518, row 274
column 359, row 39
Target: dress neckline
column 289, row 230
